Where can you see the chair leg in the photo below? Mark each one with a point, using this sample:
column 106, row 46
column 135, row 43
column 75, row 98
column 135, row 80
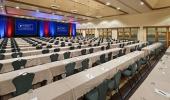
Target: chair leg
column 120, row 94
column 129, row 83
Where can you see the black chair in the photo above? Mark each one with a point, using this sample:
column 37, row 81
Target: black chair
column 79, row 47
column 54, row 57
column 102, row 90
column 2, row 51
column 56, row 42
column 45, row 51
column 19, row 63
column 38, row 47
column 129, row 72
column 92, row 95
column 102, row 48
column 83, row 52
column 1, row 65
column 113, row 84
column 72, row 48
column 85, row 64
column 91, row 50
column 67, row 55
column 16, row 55
column 108, row 47
column 109, row 56
column 62, row 44
column 124, row 51
column 70, row 69
column 2, row 57
column 57, row 50
column 49, row 46
column 102, row 58
column 23, row 83
column 69, row 44
column 120, row 53
column 90, row 45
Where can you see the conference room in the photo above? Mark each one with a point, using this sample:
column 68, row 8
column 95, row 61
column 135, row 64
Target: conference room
column 84, row 49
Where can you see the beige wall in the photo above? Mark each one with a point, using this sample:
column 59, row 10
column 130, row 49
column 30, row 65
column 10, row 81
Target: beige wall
column 161, row 17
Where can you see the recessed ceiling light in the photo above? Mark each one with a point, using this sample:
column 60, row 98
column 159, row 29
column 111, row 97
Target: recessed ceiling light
column 107, row 3
column 17, row 7
column 142, row 3
column 1, row 6
column 55, row 6
column 74, row 11
column 118, row 8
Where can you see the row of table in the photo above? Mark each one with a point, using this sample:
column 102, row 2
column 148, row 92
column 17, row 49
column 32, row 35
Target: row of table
column 75, row 86
column 49, row 70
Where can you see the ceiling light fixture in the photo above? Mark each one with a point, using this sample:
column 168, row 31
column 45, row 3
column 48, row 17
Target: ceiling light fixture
column 118, row 8
column 107, row 3
column 74, row 11
column 17, row 7
column 142, row 3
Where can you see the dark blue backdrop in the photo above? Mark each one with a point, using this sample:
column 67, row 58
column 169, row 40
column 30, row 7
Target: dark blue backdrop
column 25, row 27
column 62, row 29
column 12, row 26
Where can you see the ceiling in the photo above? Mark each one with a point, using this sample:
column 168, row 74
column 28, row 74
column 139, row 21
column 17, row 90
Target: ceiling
column 78, row 10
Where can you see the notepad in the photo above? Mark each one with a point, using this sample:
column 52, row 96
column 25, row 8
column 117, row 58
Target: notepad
column 163, row 93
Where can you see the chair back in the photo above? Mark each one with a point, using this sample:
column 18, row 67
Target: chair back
column 102, row 58
column 102, row 48
column 70, row 68
column 117, row 78
column 66, row 55
column 18, row 64
column 83, row 52
column 92, row 95
column 72, row 48
column 102, row 90
column 109, row 56
column 2, row 57
column 1, row 65
column 45, row 51
column 91, row 50
column 23, row 83
column 54, row 57
column 57, row 50
column 85, row 64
